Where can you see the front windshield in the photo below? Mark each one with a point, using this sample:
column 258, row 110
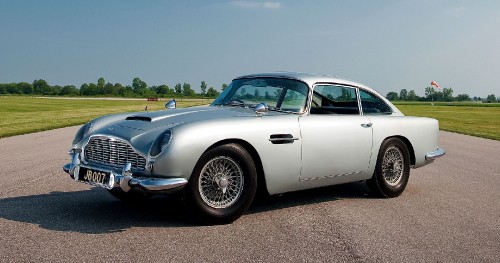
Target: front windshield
column 279, row 94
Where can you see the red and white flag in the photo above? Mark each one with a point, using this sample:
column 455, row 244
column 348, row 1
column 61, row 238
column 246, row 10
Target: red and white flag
column 433, row 83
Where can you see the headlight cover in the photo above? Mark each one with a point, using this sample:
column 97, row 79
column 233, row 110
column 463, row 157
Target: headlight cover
column 161, row 143
column 82, row 132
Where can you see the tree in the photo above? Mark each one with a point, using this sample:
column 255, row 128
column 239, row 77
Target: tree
column 178, row 88
column 463, row 97
column 224, row 86
column 69, row 90
column 107, row 89
column 412, row 96
column 100, row 86
column 93, row 90
column 187, row 90
column 118, row 89
column 428, row 92
column 491, row 98
column 447, row 94
column 162, row 89
column 126, row 91
column 403, row 94
column 203, row 87
column 139, row 86
column 392, row 96
column 39, row 85
column 25, row 87
column 212, row 93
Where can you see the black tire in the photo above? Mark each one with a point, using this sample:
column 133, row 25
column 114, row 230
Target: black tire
column 129, row 197
column 212, row 196
column 391, row 181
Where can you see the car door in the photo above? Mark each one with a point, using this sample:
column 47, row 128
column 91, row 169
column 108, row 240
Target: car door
column 336, row 139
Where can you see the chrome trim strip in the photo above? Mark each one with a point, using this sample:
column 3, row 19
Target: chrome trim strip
column 435, row 154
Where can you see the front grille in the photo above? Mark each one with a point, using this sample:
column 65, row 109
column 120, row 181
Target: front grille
column 114, row 152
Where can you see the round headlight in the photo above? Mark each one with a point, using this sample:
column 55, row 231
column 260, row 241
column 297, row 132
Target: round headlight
column 161, row 143
column 82, row 132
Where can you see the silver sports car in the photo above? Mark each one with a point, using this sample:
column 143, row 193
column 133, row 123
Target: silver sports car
column 279, row 132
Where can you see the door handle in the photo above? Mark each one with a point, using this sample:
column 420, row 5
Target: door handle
column 282, row 138
column 367, row 125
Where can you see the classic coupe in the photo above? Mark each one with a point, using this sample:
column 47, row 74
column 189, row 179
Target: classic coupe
column 279, row 132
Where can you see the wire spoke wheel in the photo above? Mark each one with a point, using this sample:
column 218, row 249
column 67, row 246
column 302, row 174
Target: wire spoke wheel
column 222, row 185
column 392, row 170
column 393, row 166
column 221, row 182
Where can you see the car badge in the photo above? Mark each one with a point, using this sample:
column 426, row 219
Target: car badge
column 111, row 129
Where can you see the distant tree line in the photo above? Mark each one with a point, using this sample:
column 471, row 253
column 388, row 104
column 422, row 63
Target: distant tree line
column 433, row 95
column 139, row 88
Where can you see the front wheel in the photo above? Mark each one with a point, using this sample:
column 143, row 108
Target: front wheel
column 222, row 185
column 392, row 170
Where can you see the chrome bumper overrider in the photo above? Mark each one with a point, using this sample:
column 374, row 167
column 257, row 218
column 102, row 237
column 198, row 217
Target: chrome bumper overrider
column 435, row 154
column 125, row 179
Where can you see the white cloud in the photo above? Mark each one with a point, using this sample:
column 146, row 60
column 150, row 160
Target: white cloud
column 257, row 5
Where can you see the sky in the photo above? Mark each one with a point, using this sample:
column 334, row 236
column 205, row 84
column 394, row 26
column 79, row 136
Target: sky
column 387, row 45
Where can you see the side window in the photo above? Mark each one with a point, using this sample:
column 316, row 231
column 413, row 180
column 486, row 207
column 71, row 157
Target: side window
column 373, row 104
column 294, row 100
column 334, row 99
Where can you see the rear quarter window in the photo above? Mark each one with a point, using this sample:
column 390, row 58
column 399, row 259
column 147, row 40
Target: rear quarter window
column 372, row 104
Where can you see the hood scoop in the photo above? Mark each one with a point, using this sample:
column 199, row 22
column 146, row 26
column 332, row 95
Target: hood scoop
column 138, row 118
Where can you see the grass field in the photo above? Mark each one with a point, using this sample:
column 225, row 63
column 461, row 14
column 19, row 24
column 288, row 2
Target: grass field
column 477, row 119
column 20, row 115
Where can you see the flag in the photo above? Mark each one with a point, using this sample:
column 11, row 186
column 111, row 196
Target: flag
column 433, row 83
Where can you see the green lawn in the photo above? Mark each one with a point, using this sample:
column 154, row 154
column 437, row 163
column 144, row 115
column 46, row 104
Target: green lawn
column 482, row 120
column 20, row 115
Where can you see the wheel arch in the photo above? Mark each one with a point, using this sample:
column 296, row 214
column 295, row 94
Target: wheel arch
column 408, row 145
column 261, row 179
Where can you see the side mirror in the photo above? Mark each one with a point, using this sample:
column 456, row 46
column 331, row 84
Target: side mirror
column 171, row 104
column 260, row 109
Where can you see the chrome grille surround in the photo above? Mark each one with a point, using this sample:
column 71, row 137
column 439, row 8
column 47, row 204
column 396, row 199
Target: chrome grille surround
column 113, row 152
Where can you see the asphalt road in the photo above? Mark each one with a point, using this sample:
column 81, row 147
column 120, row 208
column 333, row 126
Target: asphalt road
column 450, row 212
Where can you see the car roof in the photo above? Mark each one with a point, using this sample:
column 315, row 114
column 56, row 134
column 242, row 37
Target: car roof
column 309, row 78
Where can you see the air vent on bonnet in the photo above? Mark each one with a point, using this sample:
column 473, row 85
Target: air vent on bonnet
column 138, row 118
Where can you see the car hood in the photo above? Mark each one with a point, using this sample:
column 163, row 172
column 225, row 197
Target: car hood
column 142, row 128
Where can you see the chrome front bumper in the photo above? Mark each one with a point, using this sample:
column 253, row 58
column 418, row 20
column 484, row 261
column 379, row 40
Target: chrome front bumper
column 125, row 180
column 435, row 154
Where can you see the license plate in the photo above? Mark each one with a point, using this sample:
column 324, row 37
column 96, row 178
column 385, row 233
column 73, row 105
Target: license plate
column 94, row 176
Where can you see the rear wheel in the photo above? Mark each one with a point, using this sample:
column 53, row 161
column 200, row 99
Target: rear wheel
column 222, row 185
column 392, row 170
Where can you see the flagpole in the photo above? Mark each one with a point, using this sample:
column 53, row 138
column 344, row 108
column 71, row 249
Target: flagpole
column 432, row 96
